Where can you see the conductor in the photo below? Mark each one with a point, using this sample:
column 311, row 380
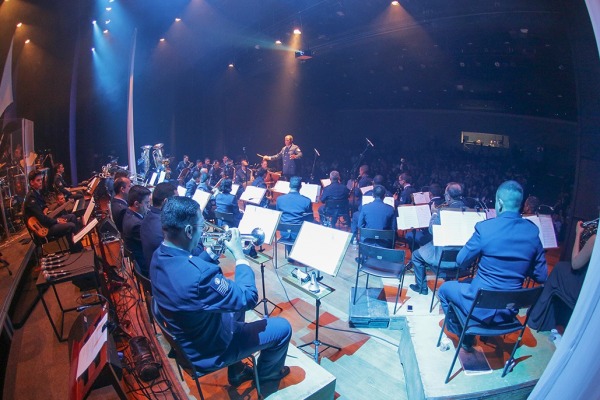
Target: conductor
column 289, row 154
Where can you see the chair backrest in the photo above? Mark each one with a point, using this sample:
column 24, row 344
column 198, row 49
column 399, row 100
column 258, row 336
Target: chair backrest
column 180, row 357
column 289, row 228
column 339, row 205
column 381, row 253
column 383, row 238
column 507, row 299
column 225, row 217
column 144, row 281
column 447, row 257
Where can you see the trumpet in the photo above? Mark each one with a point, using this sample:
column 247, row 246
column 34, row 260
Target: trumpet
column 220, row 235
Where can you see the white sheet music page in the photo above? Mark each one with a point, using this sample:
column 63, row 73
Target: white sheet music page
column 365, row 189
column 153, row 178
column 202, row 198
column 259, row 217
column 325, row 182
column 88, row 211
column 369, row 199
column 86, row 229
column 281, row 187
column 311, row 191
column 253, row 194
column 457, row 226
column 181, row 191
column 91, row 348
column 320, row 247
column 546, row 227
column 161, row 177
column 421, row 198
column 412, row 217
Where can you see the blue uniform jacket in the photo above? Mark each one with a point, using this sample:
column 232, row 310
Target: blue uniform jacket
column 377, row 215
column 509, row 248
column 132, row 222
column 294, row 207
column 198, row 302
column 335, row 191
column 118, row 207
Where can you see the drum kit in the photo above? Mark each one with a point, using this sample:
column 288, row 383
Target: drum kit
column 13, row 186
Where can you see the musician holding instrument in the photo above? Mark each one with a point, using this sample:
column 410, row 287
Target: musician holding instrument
column 60, row 185
column 215, row 173
column 227, row 202
column 34, row 211
column 205, row 310
column 288, row 154
column 192, row 184
column 228, row 171
column 565, row 282
column 243, row 175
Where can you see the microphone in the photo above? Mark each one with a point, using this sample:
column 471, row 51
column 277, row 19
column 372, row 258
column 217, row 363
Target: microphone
column 370, row 143
column 317, row 151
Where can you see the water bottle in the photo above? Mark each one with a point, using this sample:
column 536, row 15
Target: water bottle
column 445, row 344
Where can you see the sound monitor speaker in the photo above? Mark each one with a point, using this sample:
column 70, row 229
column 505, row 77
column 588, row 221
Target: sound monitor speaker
column 108, row 230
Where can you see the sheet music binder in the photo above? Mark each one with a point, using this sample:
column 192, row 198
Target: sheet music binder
column 412, row 217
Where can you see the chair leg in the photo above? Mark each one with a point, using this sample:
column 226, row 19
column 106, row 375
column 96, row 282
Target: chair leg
column 397, row 296
column 256, row 381
column 367, row 284
column 442, row 331
column 509, row 363
column 356, row 283
column 458, row 346
column 437, row 275
column 198, row 387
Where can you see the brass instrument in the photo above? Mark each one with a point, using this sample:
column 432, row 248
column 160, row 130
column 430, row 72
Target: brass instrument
column 590, row 228
column 219, row 235
column 157, row 155
column 146, row 157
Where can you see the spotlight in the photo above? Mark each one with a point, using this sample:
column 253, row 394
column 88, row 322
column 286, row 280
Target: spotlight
column 278, row 42
column 162, row 39
column 94, row 22
column 303, row 54
column 107, row 21
column 177, row 19
column 395, row 3
column 108, row 8
column 105, row 31
column 297, row 32
column 28, row 41
column 93, row 49
column 230, row 65
column 20, row 24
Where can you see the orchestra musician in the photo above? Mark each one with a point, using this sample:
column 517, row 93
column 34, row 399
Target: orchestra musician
column 288, row 154
column 35, row 206
column 227, row 202
column 228, row 168
column 60, row 185
column 185, row 163
column 215, row 173
column 243, row 175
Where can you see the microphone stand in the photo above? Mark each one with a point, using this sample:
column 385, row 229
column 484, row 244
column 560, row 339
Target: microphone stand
column 312, row 172
column 355, row 181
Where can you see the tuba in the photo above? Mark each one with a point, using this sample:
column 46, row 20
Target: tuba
column 157, row 155
column 146, row 157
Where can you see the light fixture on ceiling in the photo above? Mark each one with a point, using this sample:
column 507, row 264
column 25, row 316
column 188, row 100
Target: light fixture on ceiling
column 297, row 31
column 395, row 3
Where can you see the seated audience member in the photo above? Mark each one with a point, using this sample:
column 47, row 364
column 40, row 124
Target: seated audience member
column 295, row 208
column 564, row 283
column 35, row 206
column 118, row 204
column 509, row 250
column 429, row 254
column 335, row 191
column 227, row 203
column 139, row 202
column 205, row 310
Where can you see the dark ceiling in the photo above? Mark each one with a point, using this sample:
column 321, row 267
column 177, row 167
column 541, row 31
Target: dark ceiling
column 506, row 56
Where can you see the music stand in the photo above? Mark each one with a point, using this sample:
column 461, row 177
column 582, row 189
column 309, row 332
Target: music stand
column 267, row 220
column 323, row 249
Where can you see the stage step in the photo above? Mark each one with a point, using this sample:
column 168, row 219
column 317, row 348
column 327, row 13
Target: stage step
column 426, row 367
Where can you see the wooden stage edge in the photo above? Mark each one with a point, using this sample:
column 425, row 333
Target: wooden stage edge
column 426, row 366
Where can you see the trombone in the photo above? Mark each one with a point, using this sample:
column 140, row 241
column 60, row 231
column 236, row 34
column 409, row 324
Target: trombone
column 219, row 235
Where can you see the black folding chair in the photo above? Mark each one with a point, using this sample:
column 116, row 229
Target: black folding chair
column 335, row 209
column 381, row 262
column 493, row 300
column 145, row 289
column 447, row 269
column 377, row 237
column 182, row 360
column 286, row 228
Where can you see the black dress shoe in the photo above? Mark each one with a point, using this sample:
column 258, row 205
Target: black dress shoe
column 285, row 371
column 245, row 375
column 419, row 289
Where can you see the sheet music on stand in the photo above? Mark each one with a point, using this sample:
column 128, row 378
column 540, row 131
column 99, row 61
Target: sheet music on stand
column 93, row 185
column 320, row 247
column 421, row 198
column 153, row 178
column 311, row 191
column 202, row 198
column 161, row 177
column 86, row 229
column 325, row 182
column 260, row 217
column 253, row 194
column 282, row 187
column 365, row 189
column 412, row 217
column 456, row 227
column 546, row 227
column 181, row 191
column 369, row 199
column 88, row 211
column 234, row 188
column 91, row 348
